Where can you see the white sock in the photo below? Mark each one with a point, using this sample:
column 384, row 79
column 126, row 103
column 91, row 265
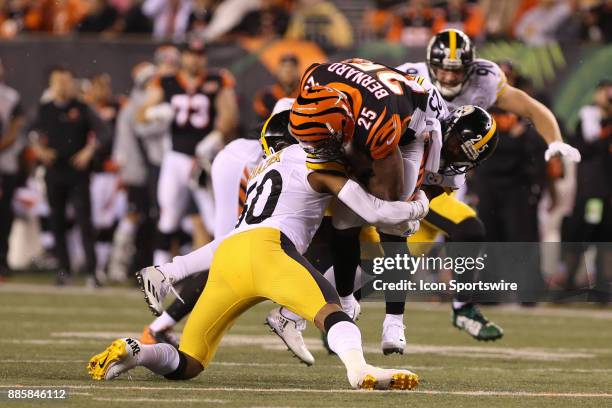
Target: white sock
column 290, row 315
column 458, row 305
column 194, row 262
column 163, row 322
column 344, row 339
column 161, row 257
column 393, row 319
column 161, row 358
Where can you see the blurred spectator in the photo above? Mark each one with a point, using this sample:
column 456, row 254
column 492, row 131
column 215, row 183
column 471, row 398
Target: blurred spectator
column 100, row 16
column 63, row 144
column 499, row 16
column 379, row 22
column 539, row 24
column 416, row 23
column 320, row 21
column 271, row 20
column 201, row 14
column 133, row 20
column 597, row 23
column 591, row 220
column 56, row 16
column 286, row 86
column 227, row 15
column 11, row 122
column 170, row 17
column 464, row 16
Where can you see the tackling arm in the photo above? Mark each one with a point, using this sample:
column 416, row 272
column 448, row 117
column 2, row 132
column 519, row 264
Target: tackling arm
column 399, row 215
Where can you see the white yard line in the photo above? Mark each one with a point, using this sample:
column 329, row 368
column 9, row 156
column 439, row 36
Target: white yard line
column 330, row 391
column 201, row 400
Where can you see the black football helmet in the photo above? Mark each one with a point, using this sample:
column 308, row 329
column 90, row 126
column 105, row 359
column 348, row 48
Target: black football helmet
column 470, row 136
column 275, row 133
column 451, row 50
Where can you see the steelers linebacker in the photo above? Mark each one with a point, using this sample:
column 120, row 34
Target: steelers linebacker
column 463, row 79
column 284, row 207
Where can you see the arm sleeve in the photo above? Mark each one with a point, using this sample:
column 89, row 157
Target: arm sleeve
column 379, row 212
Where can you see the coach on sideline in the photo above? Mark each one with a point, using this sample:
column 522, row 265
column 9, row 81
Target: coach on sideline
column 62, row 140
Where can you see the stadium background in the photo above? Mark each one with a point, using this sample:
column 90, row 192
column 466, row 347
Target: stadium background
column 561, row 344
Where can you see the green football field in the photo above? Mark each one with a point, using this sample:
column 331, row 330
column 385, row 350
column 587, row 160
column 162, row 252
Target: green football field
column 550, row 356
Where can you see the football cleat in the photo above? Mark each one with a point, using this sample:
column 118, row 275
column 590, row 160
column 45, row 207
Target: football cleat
column 375, row 378
column 290, row 332
column 149, row 336
column 393, row 338
column 470, row 319
column 119, row 357
column 155, row 286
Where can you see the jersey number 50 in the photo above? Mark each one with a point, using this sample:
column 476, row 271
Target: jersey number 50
column 276, row 187
column 192, row 108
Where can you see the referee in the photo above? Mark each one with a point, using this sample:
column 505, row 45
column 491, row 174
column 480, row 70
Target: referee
column 66, row 134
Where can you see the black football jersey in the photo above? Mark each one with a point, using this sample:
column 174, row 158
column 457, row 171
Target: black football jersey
column 388, row 105
column 194, row 112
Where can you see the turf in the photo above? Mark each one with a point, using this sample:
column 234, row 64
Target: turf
column 549, row 357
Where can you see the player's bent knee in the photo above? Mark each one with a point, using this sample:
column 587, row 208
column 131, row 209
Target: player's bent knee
column 187, row 369
column 469, row 230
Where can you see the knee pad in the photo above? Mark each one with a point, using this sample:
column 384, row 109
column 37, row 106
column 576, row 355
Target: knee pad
column 469, row 230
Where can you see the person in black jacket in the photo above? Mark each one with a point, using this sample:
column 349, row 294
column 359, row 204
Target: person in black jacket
column 591, row 219
column 66, row 134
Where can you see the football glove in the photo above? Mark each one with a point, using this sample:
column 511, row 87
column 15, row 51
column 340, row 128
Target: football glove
column 563, row 149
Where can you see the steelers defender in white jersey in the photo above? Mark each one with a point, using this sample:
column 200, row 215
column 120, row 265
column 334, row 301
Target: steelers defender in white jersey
column 463, row 79
column 261, row 259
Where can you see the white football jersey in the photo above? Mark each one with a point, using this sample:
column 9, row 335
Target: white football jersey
column 485, row 83
column 280, row 196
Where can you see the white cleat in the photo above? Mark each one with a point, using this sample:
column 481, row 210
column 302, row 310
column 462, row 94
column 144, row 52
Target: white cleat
column 155, row 286
column 393, row 338
column 351, row 306
column 375, row 378
column 290, row 332
column 119, row 357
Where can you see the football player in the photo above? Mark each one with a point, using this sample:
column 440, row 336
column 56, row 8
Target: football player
column 202, row 102
column 394, row 115
column 463, row 79
column 285, row 204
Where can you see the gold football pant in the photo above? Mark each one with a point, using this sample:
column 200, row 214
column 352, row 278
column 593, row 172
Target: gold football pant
column 249, row 268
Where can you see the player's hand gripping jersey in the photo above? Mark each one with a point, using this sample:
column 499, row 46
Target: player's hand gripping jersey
column 485, row 82
column 195, row 109
column 388, row 106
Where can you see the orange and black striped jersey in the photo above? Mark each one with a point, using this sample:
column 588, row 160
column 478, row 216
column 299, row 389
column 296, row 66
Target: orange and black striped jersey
column 388, row 105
